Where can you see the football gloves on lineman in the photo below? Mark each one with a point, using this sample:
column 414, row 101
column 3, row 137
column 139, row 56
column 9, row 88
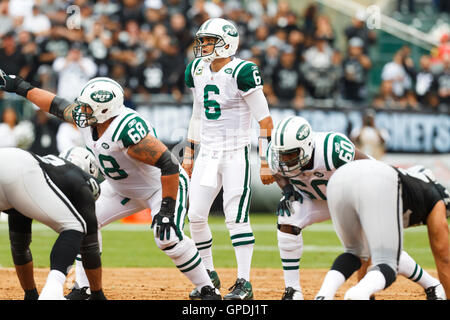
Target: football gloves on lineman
column 164, row 220
column 12, row 83
column 285, row 204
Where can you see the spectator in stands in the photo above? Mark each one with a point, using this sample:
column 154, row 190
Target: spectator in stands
column 54, row 46
column 73, row 71
column 180, row 30
column 45, row 131
column 6, row 20
column 296, row 39
column 309, row 23
column 9, row 121
column 30, row 49
column 99, row 41
column 425, row 85
column 321, row 70
column 37, row 23
column 324, row 29
column 355, row 69
column 12, row 60
column 263, row 11
column 396, row 81
column 443, row 85
column 151, row 75
column 359, row 29
column 15, row 133
column 286, row 83
column 368, row 138
column 131, row 10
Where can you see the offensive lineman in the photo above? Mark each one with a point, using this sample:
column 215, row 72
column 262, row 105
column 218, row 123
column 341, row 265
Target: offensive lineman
column 140, row 172
column 227, row 91
column 62, row 196
column 303, row 161
column 369, row 217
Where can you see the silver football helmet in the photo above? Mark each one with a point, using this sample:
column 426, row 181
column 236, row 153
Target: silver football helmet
column 82, row 158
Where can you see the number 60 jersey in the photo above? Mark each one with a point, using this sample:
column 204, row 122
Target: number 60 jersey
column 128, row 177
column 331, row 150
column 218, row 101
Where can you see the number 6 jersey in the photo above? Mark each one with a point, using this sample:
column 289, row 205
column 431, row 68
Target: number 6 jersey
column 331, row 150
column 130, row 178
column 218, row 96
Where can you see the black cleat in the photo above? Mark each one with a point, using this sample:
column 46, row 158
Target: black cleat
column 79, row 294
column 210, row 293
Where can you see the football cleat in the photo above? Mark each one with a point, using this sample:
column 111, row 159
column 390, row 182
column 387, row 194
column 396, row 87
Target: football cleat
column 83, row 293
column 435, row 293
column 240, row 290
column 210, row 293
column 196, row 295
column 292, row 294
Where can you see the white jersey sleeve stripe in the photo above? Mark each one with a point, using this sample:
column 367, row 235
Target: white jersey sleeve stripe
column 122, row 125
column 327, row 152
column 239, row 68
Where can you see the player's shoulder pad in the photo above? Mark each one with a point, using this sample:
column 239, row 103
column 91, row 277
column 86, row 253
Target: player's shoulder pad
column 338, row 149
column 131, row 130
column 247, row 75
column 189, row 72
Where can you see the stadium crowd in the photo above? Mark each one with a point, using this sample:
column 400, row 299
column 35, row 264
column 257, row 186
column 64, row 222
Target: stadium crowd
column 146, row 44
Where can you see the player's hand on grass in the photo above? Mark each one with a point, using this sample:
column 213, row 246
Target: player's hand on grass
column 285, row 204
column 164, row 220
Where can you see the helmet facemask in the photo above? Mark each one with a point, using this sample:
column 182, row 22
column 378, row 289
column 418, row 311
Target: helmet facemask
column 83, row 115
column 200, row 44
column 291, row 162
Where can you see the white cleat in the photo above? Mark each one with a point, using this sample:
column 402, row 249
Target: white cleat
column 436, row 293
column 356, row 294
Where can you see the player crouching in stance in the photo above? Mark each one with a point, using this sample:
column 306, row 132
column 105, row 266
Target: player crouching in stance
column 139, row 171
column 303, row 161
column 369, row 217
column 62, row 196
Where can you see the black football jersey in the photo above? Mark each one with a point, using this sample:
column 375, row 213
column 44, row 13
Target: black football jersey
column 420, row 194
column 78, row 186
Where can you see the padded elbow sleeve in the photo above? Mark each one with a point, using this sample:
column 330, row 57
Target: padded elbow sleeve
column 58, row 106
column 168, row 164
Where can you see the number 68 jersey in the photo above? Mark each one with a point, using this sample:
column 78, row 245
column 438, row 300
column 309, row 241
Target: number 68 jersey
column 331, row 150
column 128, row 177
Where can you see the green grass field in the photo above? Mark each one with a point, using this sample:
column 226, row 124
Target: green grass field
column 131, row 245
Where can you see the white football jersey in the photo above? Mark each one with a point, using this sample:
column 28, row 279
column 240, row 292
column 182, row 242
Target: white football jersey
column 130, row 178
column 226, row 117
column 331, row 150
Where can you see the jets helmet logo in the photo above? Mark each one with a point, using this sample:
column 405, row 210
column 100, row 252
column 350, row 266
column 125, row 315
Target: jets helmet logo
column 102, row 96
column 303, row 132
column 230, row 30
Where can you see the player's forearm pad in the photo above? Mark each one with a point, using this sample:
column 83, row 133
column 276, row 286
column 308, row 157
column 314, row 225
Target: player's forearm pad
column 167, row 163
column 58, row 106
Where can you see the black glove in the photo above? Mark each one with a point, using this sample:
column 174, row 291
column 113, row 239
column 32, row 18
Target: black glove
column 289, row 195
column 164, row 220
column 11, row 83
